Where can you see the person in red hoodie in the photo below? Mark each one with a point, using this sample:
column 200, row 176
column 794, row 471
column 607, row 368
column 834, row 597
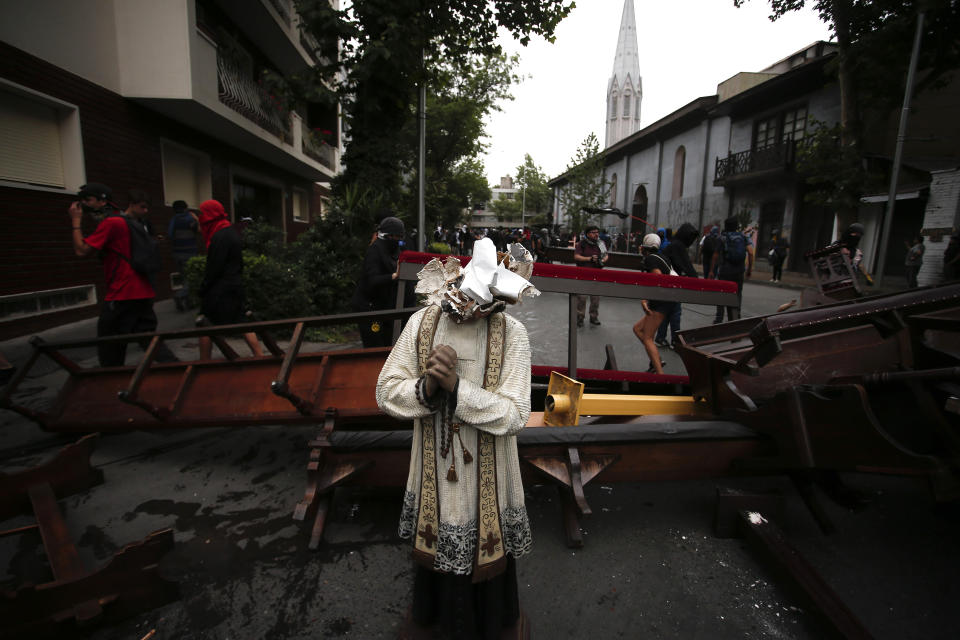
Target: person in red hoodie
column 221, row 294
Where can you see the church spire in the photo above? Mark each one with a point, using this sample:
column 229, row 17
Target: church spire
column 625, row 89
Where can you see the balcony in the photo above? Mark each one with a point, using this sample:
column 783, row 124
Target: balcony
column 317, row 149
column 239, row 92
column 755, row 163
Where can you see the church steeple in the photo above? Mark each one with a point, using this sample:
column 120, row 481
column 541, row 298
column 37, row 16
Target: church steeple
column 625, row 89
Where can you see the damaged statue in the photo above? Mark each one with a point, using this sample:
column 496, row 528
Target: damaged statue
column 461, row 371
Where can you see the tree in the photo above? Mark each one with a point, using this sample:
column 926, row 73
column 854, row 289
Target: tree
column 586, row 185
column 532, row 182
column 386, row 49
column 874, row 38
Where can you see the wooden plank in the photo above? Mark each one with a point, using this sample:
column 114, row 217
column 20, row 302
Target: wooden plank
column 61, row 553
column 810, row 588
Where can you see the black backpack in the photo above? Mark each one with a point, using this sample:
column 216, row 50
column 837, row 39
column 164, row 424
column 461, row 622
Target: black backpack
column 144, row 255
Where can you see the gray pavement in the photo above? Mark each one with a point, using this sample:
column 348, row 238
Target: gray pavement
column 651, row 566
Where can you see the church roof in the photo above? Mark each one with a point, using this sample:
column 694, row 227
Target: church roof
column 626, row 62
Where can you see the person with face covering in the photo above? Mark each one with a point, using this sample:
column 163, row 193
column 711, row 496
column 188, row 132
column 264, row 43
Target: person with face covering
column 377, row 286
column 221, row 294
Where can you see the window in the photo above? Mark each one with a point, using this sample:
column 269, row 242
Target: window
column 766, row 133
column 636, row 114
column 40, row 142
column 186, row 174
column 794, row 124
column 626, row 105
column 35, row 303
column 679, row 160
column 613, row 191
column 301, row 211
column 613, row 106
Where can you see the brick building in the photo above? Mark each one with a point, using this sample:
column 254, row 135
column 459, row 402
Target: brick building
column 158, row 96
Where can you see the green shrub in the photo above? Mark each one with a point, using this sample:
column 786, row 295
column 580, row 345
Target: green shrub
column 314, row 275
column 438, row 247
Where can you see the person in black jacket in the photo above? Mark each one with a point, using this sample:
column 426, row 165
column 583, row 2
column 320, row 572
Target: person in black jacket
column 221, row 294
column 678, row 254
column 377, row 288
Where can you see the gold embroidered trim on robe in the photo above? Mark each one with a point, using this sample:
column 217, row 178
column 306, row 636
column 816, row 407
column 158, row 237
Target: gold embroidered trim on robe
column 428, row 519
column 490, row 557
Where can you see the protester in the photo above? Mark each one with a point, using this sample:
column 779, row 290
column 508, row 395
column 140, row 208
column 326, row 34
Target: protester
column 182, row 232
column 461, row 372
column 778, row 254
column 128, row 299
column 221, row 295
column 709, row 245
column 590, row 252
column 914, row 261
column 377, row 287
column 678, row 255
column 655, row 310
column 733, row 262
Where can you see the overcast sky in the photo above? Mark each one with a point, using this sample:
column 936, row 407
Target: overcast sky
column 686, row 48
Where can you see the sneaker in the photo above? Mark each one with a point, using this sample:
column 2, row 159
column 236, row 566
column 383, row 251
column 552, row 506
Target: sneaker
column 594, row 321
column 580, row 322
column 662, row 343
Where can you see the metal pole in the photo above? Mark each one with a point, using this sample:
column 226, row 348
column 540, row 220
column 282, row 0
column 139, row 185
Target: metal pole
column 898, row 153
column 421, row 164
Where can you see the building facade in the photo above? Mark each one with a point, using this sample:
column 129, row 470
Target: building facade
column 159, row 96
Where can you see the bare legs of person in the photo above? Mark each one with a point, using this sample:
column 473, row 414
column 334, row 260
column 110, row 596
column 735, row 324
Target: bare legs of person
column 645, row 330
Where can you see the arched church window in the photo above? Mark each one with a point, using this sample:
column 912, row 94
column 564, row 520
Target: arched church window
column 639, row 211
column 626, row 105
column 679, row 160
column 613, row 191
column 636, row 113
column 613, row 106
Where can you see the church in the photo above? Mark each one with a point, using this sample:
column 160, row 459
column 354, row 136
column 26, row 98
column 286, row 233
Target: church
column 734, row 154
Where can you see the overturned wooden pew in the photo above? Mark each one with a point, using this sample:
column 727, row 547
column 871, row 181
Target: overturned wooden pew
column 76, row 597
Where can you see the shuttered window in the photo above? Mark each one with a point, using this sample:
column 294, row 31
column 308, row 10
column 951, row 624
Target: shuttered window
column 30, row 148
column 186, row 175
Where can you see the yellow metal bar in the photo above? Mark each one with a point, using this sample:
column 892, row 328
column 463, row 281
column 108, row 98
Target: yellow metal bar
column 566, row 402
column 612, row 404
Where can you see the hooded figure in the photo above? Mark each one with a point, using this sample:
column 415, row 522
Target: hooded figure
column 221, row 295
column 678, row 251
column 377, row 285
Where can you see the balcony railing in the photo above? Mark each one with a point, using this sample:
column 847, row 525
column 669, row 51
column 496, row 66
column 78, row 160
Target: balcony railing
column 314, row 148
column 778, row 157
column 250, row 100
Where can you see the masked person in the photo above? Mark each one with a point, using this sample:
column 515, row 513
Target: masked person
column 461, row 371
column 221, row 295
column 377, row 287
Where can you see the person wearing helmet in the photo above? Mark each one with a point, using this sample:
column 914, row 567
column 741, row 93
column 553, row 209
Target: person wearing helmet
column 654, row 310
column 377, row 286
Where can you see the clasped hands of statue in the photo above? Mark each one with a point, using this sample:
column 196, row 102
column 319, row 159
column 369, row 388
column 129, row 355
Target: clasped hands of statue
column 441, row 370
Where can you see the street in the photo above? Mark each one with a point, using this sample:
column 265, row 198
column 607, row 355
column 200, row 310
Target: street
column 650, row 567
